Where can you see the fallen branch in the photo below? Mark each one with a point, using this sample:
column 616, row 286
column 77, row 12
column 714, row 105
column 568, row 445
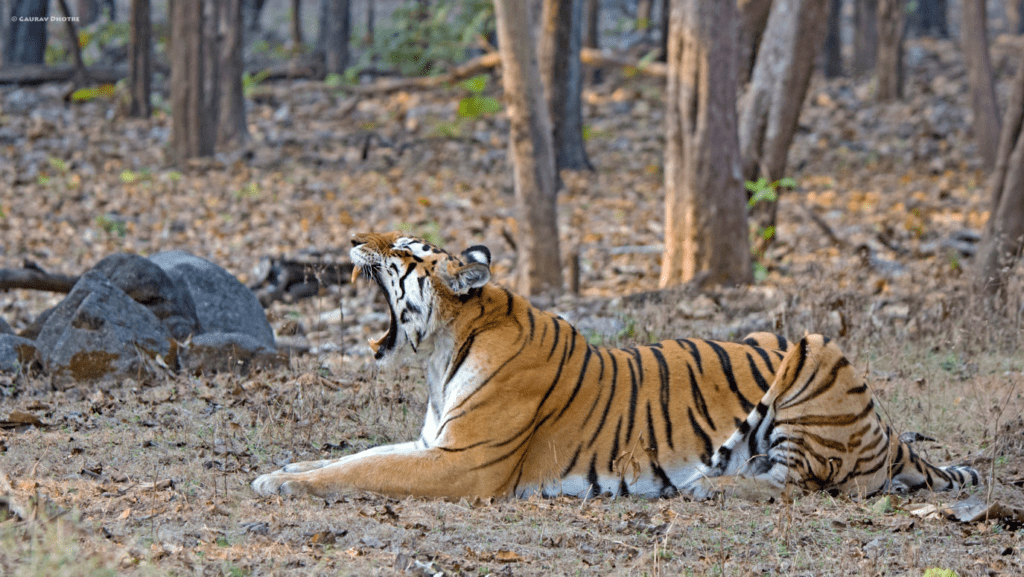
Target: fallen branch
column 33, row 278
column 41, row 74
column 600, row 58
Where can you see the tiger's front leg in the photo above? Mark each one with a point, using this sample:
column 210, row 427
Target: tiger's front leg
column 394, row 470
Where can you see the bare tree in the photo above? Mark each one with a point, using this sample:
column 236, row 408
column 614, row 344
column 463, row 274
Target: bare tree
column 295, row 26
column 140, row 55
column 929, row 18
column 25, row 42
column 591, row 38
column 192, row 134
column 705, row 204
column 974, row 42
column 1004, row 234
column 1015, row 16
column 889, row 64
column 231, row 126
column 753, row 19
column 834, row 41
column 771, row 106
column 532, row 150
column 335, row 32
column 562, row 75
column 865, row 36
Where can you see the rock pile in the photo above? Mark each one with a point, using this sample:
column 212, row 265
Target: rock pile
column 132, row 316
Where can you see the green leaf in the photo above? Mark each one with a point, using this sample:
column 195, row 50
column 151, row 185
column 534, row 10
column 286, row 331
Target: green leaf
column 476, row 106
column 476, row 84
column 334, row 80
column 786, row 182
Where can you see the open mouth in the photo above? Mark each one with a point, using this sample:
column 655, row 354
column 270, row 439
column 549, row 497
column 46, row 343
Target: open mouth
column 386, row 342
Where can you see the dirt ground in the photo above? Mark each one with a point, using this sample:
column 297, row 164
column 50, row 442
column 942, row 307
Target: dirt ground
column 151, row 477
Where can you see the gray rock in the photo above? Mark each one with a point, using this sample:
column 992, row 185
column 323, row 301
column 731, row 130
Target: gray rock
column 16, row 353
column 98, row 331
column 5, row 329
column 223, row 305
column 148, row 285
column 227, row 352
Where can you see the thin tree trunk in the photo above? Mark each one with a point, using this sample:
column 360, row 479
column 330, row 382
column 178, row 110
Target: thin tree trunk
column 1015, row 16
column 666, row 10
column 644, row 9
column 753, row 19
column 231, row 127
column 561, row 73
column 928, row 19
column 370, row 25
column 771, row 106
column 705, row 204
column 889, row 64
column 1004, row 233
column 532, row 150
column 73, row 46
column 191, row 134
column 865, row 36
column 140, row 54
column 26, row 37
column 5, row 28
column 590, row 38
column 88, row 11
column 211, row 66
column 974, row 42
column 295, row 26
column 335, row 30
column 834, row 40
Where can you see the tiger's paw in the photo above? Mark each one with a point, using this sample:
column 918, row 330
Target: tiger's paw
column 277, row 483
column 701, row 489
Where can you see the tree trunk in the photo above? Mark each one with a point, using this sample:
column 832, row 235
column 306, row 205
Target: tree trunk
column 974, row 42
column 771, row 106
column 705, row 205
column 231, row 128
column 559, row 55
column 140, row 59
column 591, row 37
column 26, row 39
column 834, row 40
column 295, row 26
column 889, row 64
column 73, row 45
column 644, row 9
column 335, row 31
column 666, row 9
column 865, row 36
column 211, row 67
column 1015, row 16
column 753, row 19
column 532, row 150
column 5, row 27
column 1004, row 233
column 251, row 10
column 929, row 19
column 370, row 25
column 88, row 11
column 191, row 133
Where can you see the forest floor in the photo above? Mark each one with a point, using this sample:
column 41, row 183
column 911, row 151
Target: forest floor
column 152, row 477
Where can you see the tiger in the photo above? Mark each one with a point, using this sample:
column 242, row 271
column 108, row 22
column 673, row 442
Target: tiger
column 519, row 403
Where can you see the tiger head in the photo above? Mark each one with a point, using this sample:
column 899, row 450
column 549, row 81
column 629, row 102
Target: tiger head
column 424, row 285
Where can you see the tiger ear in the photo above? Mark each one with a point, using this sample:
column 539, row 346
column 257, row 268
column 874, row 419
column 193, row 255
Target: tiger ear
column 478, row 253
column 471, row 276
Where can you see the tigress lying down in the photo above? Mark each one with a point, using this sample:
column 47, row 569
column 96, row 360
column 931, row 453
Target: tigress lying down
column 519, row 403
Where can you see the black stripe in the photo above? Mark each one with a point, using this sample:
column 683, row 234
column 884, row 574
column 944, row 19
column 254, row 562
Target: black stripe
column 460, row 357
column 572, row 462
column 615, row 447
column 665, row 395
column 533, row 322
column 608, row 405
column 401, row 281
column 766, row 358
column 599, row 387
column 511, row 300
column 689, row 346
column 595, row 485
column 758, row 377
column 634, row 390
column 705, row 455
column 579, row 382
column 698, row 399
column 554, row 341
column 730, row 377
